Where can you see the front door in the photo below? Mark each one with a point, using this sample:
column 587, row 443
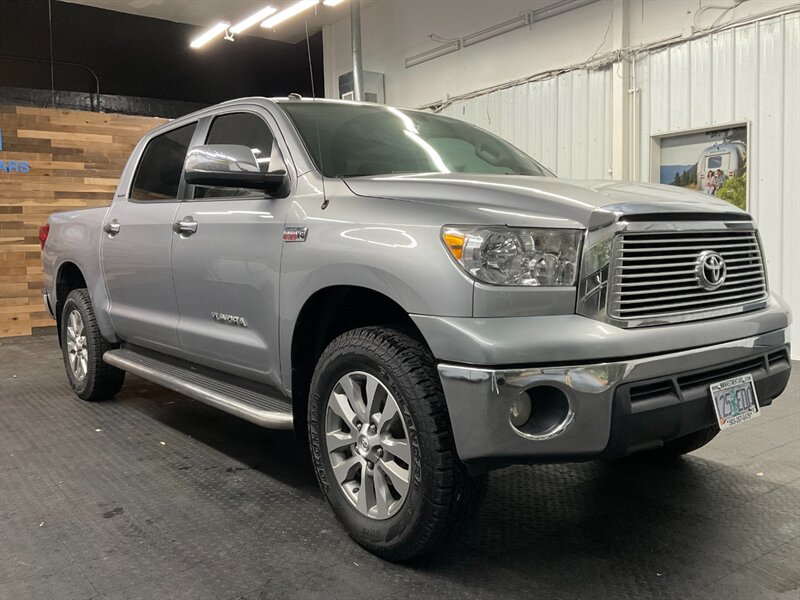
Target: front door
column 226, row 265
column 137, row 240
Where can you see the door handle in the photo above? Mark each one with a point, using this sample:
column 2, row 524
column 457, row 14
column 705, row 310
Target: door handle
column 185, row 227
column 112, row 227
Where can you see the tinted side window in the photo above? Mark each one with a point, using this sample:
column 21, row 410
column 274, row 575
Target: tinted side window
column 159, row 173
column 243, row 129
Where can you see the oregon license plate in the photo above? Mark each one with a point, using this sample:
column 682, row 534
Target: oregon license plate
column 735, row 400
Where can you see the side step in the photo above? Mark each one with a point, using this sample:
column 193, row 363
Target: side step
column 250, row 405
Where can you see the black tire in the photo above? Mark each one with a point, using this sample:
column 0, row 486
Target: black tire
column 441, row 494
column 100, row 381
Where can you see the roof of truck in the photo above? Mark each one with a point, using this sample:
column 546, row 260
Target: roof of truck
column 275, row 100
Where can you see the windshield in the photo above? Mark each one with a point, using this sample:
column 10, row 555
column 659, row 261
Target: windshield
column 357, row 139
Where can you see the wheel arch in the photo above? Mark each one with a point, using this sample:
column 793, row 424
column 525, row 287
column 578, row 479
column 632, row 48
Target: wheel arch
column 68, row 277
column 328, row 313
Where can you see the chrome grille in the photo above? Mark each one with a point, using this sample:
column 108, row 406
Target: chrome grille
column 654, row 278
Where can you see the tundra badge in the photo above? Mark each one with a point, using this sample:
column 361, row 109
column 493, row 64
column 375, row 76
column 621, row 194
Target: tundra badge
column 229, row 319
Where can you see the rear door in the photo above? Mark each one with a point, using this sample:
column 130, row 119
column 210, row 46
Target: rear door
column 227, row 271
column 137, row 242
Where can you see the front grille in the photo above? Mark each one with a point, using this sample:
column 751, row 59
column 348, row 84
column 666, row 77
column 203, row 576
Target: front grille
column 641, row 393
column 706, row 378
column 781, row 357
column 696, row 384
column 654, row 279
column 646, row 395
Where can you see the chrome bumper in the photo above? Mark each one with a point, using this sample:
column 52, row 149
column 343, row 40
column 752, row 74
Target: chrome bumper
column 479, row 400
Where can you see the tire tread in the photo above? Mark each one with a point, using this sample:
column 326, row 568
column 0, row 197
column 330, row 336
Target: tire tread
column 104, row 380
column 455, row 495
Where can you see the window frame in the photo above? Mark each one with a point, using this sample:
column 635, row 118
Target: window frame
column 182, row 181
column 204, row 129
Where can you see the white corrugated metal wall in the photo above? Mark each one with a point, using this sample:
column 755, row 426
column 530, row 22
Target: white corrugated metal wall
column 563, row 122
column 749, row 73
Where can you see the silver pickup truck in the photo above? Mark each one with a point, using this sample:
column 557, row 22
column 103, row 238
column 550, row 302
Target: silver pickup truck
column 421, row 299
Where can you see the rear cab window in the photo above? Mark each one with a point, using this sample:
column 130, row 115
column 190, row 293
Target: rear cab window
column 158, row 175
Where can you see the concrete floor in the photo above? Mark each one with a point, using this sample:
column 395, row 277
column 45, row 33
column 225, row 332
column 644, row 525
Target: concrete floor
column 153, row 495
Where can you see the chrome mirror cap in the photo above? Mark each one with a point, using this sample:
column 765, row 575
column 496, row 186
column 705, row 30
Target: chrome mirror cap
column 230, row 165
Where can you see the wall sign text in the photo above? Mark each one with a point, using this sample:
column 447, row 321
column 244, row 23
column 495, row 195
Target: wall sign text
column 12, row 166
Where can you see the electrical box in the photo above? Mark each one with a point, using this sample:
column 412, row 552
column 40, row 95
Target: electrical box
column 373, row 87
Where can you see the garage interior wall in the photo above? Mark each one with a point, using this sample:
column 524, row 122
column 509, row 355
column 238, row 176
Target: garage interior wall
column 563, row 121
column 583, row 123
column 137, row 56
column 747, row 74
column 74, row 161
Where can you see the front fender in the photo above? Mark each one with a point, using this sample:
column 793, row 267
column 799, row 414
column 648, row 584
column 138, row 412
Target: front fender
column 386, row 246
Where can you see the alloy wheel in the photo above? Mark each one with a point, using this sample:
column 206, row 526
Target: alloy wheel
column 77, row 352
column 368, row 445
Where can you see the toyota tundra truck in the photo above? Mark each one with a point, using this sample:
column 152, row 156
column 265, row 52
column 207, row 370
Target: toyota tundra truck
column 421, row 300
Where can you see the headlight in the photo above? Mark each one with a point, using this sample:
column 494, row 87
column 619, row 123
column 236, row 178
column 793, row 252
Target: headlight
column 516, row 256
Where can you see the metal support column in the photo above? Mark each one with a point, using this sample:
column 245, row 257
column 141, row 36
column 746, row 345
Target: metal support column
column 355, row 34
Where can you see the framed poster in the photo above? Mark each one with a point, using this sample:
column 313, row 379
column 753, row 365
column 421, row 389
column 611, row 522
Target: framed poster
column 711, row 161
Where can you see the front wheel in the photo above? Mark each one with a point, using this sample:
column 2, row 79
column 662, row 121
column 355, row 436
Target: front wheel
column 382, row 446
column 83, row 347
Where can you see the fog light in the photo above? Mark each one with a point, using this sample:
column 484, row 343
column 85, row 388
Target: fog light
column 541, row 412
column 520, row 410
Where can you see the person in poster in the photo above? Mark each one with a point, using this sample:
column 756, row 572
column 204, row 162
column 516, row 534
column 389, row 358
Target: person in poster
column 711, row 162
column 710, row 184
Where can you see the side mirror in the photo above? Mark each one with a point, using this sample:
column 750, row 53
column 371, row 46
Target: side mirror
column 232, row 166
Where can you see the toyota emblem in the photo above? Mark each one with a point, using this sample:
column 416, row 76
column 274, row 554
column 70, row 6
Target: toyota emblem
column 710, row 270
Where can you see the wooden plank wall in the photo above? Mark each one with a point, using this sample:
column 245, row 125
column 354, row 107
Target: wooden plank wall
column 75, row 159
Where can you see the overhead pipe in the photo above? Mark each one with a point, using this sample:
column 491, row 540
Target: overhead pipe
column 525, row 19
column 355, row 35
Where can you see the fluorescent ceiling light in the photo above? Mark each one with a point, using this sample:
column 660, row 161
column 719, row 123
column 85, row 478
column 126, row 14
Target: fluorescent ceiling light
column 418, row 59
column 522, row 20
column 332, row 2
column 253, row 19
column 209, row 35
column 294, row 9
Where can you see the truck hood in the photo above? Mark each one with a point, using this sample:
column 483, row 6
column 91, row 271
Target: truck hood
column 517, row 200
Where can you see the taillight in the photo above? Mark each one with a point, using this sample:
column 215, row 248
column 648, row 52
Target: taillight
column 44, row 230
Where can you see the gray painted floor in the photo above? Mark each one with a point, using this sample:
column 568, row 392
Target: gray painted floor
column 156, row 496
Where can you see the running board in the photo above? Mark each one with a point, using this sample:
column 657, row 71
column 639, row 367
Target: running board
column 248, row 404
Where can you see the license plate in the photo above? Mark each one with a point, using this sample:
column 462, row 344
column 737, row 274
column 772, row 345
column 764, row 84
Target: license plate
column 735, row 400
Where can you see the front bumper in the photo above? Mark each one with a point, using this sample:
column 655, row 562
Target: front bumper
column 570, row 339
column 614, row 408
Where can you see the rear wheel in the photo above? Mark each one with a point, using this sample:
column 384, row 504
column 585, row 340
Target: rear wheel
column 83, row 348
column 382, row 447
